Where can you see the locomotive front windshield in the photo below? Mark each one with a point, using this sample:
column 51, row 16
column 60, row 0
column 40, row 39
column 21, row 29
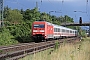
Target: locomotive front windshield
column 39, row 26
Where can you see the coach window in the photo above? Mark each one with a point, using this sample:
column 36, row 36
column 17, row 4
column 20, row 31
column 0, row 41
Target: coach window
column 70, row 31
column 63, row 30
column 58, row 30
column 67, row 31
column 54, row 29
column 73, row 31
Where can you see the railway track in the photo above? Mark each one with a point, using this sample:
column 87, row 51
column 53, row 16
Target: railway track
column 14, row 52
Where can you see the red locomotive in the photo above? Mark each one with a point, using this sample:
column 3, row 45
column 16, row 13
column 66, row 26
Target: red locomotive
column 42, row 30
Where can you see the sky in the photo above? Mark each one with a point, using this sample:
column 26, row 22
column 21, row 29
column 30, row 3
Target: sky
column 63, row 7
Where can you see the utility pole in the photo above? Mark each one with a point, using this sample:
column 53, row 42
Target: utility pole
column 49, row 16
column 37, row 5
column 65, row 20
column 89, row 30
column 1, row 13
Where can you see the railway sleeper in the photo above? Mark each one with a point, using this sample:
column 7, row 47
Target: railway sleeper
column 21, row 52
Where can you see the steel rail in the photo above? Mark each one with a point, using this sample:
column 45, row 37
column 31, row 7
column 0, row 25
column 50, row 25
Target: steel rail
column 27, row 49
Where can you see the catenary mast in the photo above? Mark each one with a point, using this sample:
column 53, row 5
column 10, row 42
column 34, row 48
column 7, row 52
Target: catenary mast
column 1, row 13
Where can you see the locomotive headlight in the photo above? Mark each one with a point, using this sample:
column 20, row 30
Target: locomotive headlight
column 35, row 30
column 41, row 30
column 45, row 35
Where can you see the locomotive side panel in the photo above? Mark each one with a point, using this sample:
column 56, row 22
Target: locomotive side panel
column 49, row 31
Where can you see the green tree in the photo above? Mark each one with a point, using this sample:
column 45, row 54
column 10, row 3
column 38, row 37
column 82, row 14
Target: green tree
column 6, row 38
column 22, row 11
column 45, row 16
column 68, row 19
column 5, row 13
column 22, row 32
column 31, row 15
column 14, row 16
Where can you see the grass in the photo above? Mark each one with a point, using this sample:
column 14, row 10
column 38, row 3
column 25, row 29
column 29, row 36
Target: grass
column 80, row 51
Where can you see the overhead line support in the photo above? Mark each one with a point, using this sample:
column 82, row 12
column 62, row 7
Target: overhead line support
column 1, row 13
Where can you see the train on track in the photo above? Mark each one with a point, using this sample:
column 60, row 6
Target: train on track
column 42, row 30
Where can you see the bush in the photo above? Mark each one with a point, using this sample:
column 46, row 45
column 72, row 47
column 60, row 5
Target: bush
column 56, row 44
column 6, row 38
column 22, row 32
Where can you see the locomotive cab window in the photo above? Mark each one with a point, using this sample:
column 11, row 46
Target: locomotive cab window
column 39, row 26
column 36, row 26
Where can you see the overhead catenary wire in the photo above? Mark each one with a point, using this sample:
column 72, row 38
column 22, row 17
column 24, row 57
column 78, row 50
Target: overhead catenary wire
column 46, row 7
column 62, row 6
column 51, row 3
column 86, row 6
column 41, row 1
column 16, row 1
column 87, row 10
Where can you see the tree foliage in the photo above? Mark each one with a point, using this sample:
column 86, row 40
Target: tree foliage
column 31, row 15
column 23, row 32
column 14, row 16
column 6, row 9
column 6, row 38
